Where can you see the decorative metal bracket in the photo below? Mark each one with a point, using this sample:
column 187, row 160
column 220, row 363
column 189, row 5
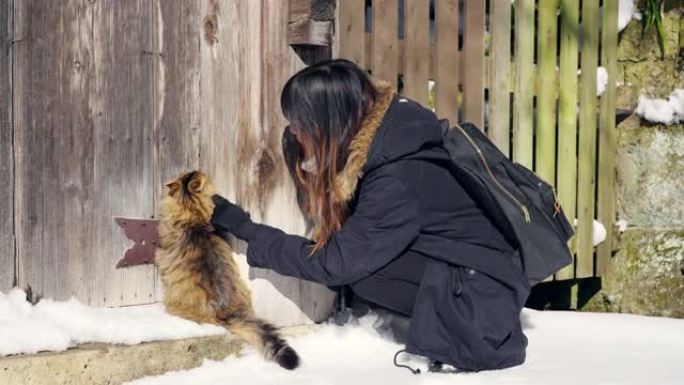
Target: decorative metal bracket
column 145, row 235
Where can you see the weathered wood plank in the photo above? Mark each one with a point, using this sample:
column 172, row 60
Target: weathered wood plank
column 417, row 50
column 121, row 95
column 499, row 64
column 607, row 135
column 445, row 57
column 523, row 149
column 54, row 138
column 272, row 194
column 587, row 140
column 352, row 31
column 473, row 62
column 6, row 151
column 545, row 144
column 83, row 147
column 311, row 22
column 567, row 118
column 178, row 28
column 385, row 58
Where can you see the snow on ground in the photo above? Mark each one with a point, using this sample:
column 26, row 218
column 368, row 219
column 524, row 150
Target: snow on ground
column 57, row 325
column 564, row 348
column 670, row 111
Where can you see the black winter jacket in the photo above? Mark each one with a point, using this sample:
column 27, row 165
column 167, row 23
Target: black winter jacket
column 401, row 199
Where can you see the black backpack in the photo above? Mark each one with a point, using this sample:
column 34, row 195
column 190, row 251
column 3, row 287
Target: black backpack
column 520, row 204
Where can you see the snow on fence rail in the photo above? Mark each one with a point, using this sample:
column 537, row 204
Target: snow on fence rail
column 535, row 108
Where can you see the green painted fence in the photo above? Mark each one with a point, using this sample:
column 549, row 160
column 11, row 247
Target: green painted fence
column 526, row 72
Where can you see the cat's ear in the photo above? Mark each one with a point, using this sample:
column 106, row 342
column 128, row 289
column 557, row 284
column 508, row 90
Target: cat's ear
column 173, row 187
column 196, row 185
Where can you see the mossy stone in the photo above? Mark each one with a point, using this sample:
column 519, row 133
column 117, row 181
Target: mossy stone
column 650, row 170
column 646, row 276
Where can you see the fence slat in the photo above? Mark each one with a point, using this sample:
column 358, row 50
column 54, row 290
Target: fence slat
column 83, row 130
column 545, row 164
column 587, row 139
column 500, row 59
column 352, row 34
column 567, row 118
column 608, row 135
column 6, row 157
column 385, row 40
column 446, row 64
column 524, row 77
column 473, row 62
column 417, row 50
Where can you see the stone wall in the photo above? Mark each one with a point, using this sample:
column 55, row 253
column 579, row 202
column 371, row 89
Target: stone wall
column 646, row 274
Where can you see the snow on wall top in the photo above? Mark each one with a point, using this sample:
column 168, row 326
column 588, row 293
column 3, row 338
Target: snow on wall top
column 665, row 111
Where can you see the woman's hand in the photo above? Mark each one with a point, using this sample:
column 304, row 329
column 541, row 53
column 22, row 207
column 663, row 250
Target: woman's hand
column 229, row 217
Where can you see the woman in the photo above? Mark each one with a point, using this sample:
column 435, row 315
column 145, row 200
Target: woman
column 392, row 222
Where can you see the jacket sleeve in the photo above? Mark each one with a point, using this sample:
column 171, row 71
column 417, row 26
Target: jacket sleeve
column 384, row 223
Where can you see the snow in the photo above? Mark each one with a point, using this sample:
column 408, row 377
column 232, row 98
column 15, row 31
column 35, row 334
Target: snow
column 666, row 111
column 625, row 13
column 622, row 225
column 598, row 232
column 58, row 325
column 565, row 348
column 601, row 80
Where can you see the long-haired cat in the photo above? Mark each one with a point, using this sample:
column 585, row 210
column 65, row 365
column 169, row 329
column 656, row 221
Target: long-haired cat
column 201, row 279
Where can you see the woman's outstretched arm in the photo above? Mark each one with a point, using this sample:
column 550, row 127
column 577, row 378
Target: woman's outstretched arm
column 383, row 224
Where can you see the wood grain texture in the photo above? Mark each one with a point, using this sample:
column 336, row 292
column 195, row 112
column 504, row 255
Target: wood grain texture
column 385, row 50
column 311, row 22
column 473, row 62
column 54, row 148
column 446, row 59
column 178, row 29
column 81, row 136
column 351, row 31
column 121, row 97
column 417, row 50
column 242, row 72
column 282, row 299
column 523, row 149
column 499, row 64
column 545, row 143
column 567, row 118
column 607, row 136
column 587, row 140
column 6, row 151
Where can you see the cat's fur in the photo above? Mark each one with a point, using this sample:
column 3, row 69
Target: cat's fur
column 201, row 279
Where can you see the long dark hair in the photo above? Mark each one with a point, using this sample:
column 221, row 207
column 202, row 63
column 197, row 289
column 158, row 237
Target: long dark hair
column 325, row 105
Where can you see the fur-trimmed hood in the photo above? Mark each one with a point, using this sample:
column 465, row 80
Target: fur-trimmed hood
column 382, row 138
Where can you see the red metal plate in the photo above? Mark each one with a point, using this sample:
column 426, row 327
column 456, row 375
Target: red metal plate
column 145, row 235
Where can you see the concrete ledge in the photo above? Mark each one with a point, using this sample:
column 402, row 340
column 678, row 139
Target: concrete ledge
column 95, row 364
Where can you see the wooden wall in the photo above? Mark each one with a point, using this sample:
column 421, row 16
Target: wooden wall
column 6, row 159
column 121, row 100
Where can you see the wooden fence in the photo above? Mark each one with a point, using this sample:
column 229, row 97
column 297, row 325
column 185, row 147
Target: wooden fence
column 103, row 102
column 511, row 68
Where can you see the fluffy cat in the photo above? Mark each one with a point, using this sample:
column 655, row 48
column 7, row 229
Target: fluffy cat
column 201, row 279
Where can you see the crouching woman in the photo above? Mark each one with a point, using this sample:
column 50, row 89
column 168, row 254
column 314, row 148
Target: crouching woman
column 391, row 221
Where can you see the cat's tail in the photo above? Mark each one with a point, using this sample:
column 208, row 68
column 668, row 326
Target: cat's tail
column 266, row 338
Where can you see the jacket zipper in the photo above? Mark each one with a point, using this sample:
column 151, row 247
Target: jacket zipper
column 523, row 208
